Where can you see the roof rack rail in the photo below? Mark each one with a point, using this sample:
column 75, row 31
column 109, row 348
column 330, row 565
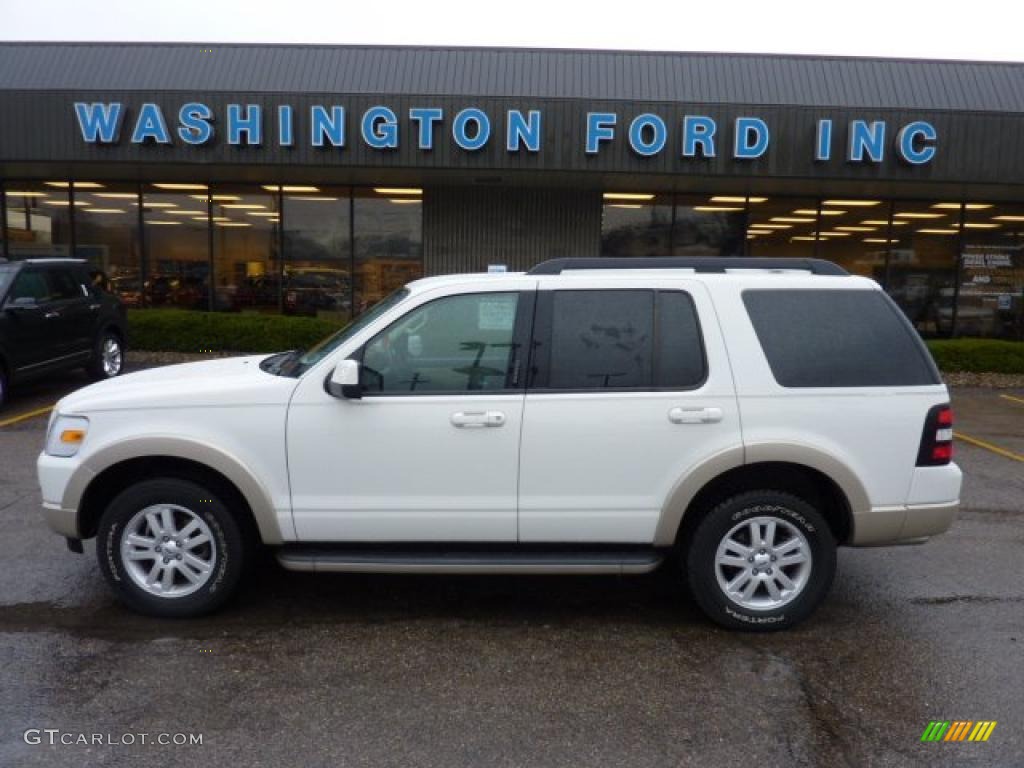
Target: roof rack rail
column 696, row 263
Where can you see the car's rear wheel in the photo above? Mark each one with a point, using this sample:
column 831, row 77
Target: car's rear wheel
column 761, row 560
column 170, row 547
column 108, row 356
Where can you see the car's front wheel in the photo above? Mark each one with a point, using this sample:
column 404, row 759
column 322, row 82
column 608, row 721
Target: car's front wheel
column 107, row 357
column 761, row 560
column 170, row 547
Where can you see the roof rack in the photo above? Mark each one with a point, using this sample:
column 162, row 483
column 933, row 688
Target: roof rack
column 697, row 264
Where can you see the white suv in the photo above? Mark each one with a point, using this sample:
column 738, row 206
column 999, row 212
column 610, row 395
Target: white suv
column 589, row 416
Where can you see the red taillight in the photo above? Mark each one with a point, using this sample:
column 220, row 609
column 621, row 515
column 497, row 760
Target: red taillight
column 936, row 446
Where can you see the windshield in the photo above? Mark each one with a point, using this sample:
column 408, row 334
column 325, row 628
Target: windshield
column 7, row 272
column 296, row 363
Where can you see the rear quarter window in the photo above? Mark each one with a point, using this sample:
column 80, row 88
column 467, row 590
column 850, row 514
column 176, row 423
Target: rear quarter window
column 838, row 338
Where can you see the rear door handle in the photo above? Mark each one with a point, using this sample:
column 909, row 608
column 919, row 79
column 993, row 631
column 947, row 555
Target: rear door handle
column 51, row 314
column 679, row 415
column 473, row 419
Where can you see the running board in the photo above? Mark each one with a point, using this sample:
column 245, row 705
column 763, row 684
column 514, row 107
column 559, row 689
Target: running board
column 340, row 560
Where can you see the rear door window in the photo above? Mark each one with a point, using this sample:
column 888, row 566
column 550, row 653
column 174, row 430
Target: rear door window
column 838, row 338
column 617, row 340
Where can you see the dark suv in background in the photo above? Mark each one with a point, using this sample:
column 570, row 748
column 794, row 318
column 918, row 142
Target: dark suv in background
column 53, row 318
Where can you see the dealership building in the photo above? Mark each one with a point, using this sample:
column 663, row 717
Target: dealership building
column 314, row 180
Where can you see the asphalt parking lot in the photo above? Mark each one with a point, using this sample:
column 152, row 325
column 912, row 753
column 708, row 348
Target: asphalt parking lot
column 354, row 670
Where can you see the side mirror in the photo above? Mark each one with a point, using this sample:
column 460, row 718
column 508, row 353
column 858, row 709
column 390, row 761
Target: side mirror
column 23, row 303
column 344, row 381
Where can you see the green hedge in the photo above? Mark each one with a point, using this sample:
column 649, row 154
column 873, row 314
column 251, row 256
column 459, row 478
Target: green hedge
column 978, row 355
column 182, row 330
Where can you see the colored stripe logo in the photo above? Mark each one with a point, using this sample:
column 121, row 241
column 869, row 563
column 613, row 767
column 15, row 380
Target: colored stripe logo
column 958, row 730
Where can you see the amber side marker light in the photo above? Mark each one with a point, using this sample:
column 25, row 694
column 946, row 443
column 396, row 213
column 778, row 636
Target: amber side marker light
column 72, row 436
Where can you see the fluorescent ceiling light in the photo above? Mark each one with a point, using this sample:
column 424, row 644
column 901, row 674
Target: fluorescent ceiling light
column 275, row 188
column 803, row 237
column 161, row 222
column 880, row 240
column 968, row 206
column 168, row 185
column 624, row 205
column 1007, row 217
column 233, row 224
column 918, row 215
column 78, row 203
column 857, row 229
column 261, row 213
column 156, row 204
column 78, row 184
column 396, row 200
column 105, row 210
column 240, row 206
column 315, row 199
column 19, row 193
column 117, row 195
column 881, row 222
column 216, row 197
column 731, row 199
column 852, row 203
column 399, row 191
column 760, row 231
column 184, row 212
column 937, row 231
column 792, row 220
column 607, row 195
column 716, row 208
column 813, row 212
column 834, row 234
column 980, row 225
column 772, row 226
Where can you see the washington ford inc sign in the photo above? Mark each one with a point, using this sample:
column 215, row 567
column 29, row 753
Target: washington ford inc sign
column 471, row 129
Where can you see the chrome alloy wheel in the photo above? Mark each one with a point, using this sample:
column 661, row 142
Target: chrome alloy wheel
column 763, row 563
column 110, row 356
column 168, row 550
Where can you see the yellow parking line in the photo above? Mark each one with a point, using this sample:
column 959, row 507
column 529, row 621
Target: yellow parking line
column 988, row 446
column 1014, row 399
column 26, row 416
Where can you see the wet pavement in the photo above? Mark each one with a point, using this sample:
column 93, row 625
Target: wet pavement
column 529, row 671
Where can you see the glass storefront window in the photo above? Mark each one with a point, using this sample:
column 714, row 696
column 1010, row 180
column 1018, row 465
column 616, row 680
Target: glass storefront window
column 388, row 225
column 991, row 298
column 708, row 226
column 177, row 246
column 781, row 226
column 107, row 235
column 317, row 251
column 922, row 268
column 246, row 268
column 636, row 224
column 38, row 219
column 854, row 233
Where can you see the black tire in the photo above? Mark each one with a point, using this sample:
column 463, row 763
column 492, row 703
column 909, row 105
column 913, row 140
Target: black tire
column 789, row 510
column 227, row 541
column 97, row 369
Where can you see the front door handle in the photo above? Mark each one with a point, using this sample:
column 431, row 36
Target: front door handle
column 52, row 314
column 679, row 415
column 472, row 419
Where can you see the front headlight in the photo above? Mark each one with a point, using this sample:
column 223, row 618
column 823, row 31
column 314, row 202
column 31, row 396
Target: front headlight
column 66, row 435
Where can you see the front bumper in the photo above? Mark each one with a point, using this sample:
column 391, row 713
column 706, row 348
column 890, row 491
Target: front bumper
column 54, row 473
